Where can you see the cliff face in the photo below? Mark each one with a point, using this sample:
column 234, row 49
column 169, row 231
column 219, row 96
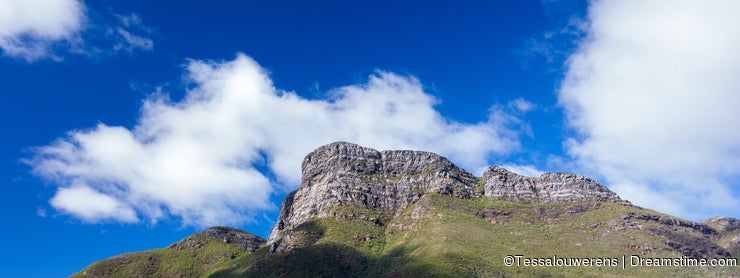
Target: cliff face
column 345, row 174
column 502, row 184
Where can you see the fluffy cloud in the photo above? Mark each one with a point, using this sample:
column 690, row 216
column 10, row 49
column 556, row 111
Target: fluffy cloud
column 90, row 205
column 27, row 28
column 197, row 159
column 38, row 29
column 653, row 94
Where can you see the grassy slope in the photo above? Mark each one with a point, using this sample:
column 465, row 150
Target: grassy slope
column 726, row 242
column 441, row 236
column 456, row 237
column 201, row 259
column 729, row 240
column 449, row 237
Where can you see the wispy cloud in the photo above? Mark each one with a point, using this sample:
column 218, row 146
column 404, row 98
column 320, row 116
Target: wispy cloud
column 42, row 29
column 525, row 170
column 198, row 159
column 560, row 40
column 129, row 34
column 653, row 94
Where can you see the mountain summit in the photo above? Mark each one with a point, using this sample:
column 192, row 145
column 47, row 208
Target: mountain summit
column 359, row 212
column 343, row 174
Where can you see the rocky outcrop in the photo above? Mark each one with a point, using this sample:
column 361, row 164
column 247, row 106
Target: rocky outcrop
column 345, row 174
column 499, row 183
column 723, row 224
column 244, row 241
column 729, row 229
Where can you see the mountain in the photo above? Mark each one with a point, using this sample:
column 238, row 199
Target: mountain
column 360, row 212
column 195, row 256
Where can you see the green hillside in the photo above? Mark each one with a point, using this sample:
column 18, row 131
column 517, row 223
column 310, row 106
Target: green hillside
column 195, row 256
column 442, row 236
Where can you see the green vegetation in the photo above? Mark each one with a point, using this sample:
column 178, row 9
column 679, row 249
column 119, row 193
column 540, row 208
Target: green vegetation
column 441, row 236
column 199, row 259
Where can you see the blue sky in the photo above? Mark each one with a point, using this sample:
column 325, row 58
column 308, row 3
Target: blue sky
column 129, row 125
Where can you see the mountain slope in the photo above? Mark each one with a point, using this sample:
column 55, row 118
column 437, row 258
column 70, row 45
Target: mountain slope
column 195, row 256
column 447, row 237
column 363, row 213
column 729, row 230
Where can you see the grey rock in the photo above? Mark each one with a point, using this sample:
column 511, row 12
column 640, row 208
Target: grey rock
column 502, row 184
column 343, row 174
column 672, row 221
column 244, row 241
column 723, row 223
column 729, row 229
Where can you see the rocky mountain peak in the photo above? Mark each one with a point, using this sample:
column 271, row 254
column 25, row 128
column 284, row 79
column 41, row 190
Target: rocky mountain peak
column 344, row 157
column 345, row 174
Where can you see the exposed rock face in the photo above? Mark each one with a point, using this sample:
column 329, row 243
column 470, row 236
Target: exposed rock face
column 243, row 240
column 723, row 224
column 674, row 230
column 729, row 229
column 345, row 174
column 502, row 184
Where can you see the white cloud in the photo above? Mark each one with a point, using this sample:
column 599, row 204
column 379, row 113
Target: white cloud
column 196, row 159
column 89, row 205
column 522, row 105
column 39, row 29
column 653, row 94
column 29, row 27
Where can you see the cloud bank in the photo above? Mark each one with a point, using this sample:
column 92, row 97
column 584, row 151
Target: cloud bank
column 39, row 29
column 653, row 94
column 216, row 156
